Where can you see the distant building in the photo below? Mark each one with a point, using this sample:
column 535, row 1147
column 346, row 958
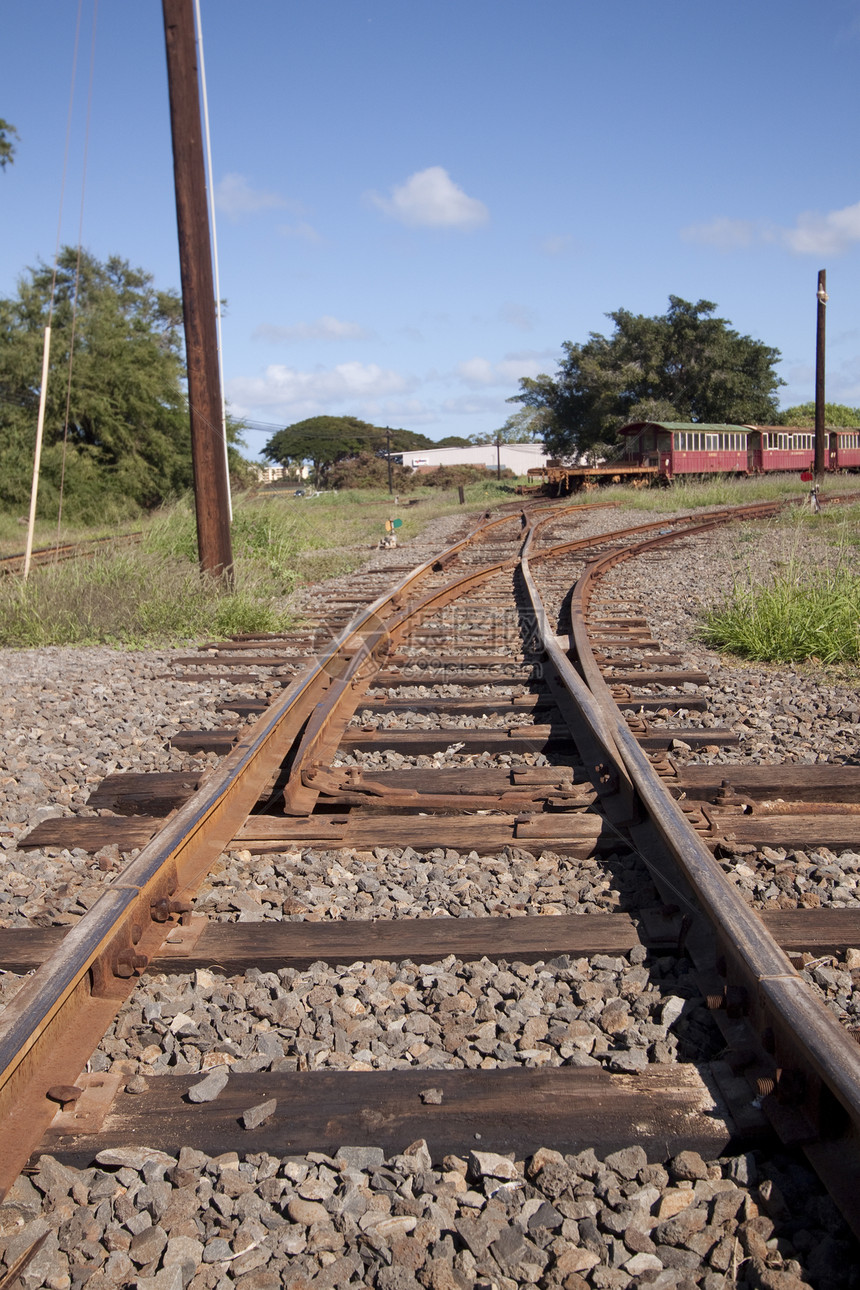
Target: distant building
column 518, row 457
column 272, row 474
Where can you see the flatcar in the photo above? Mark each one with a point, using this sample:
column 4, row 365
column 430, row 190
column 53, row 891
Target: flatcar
column 690, row 448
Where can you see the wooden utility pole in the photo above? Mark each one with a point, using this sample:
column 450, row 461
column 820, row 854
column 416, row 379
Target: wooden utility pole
column 820, row 431
column 211, row 485
column 388, row 454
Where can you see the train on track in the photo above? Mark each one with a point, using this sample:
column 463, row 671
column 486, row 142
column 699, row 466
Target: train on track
column 660, row 451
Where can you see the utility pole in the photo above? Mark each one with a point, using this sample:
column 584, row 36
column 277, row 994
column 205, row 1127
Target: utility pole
column 498, row 458
column 211, row 485
column 820, row 431
column 388, row 452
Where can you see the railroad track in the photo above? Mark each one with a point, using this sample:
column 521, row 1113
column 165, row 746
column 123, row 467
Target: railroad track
column 12, row 564
column 445, row 728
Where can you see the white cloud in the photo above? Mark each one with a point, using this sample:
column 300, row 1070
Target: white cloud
column 520, row 316
column 323, row 328
column 472, row 405
column 431, row 199
column 480, row 372
column 814, row 233
column 302, row 230
column 830, row 234
column 297, row 393
column 723, row 233
column 235, row 197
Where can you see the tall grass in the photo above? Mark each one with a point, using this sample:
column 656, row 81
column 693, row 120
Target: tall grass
column 154, row 595
column 130, row 599
column 806, row 612
column 719, row 490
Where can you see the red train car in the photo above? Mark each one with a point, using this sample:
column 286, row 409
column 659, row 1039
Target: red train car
column 844, row 448
column 687, row 448
column 782, row 448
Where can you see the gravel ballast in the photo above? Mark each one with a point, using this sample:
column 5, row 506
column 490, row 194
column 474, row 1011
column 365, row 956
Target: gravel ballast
column 357, row 1218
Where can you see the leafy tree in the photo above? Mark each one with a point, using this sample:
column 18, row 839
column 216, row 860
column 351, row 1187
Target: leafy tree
column 528, row 425
column 453, row 441
column 368, row 470
column 7, row 147
column 803, row 414
column 684, row 365
column 128, row 437
column 325, row 440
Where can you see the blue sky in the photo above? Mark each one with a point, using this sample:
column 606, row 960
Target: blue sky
column 419, row 202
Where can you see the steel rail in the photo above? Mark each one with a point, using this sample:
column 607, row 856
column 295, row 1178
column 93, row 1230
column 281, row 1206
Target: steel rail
column 806, row 1037
column 66, row 551
column 71, row 999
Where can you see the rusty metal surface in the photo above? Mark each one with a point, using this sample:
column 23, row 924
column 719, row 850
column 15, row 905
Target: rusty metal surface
column 58, row 1016
column 815, row 1060
column 141, row 914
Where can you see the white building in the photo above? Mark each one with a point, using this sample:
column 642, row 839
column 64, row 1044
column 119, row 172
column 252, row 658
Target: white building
column 271, row 474
column 518, row 457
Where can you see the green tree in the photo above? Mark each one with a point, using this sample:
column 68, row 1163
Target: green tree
column 128, row 439
column 803, row 414
column 452, row 441
column 684, row 365
column 7, row 147
column 325, row 440
column 528, row 425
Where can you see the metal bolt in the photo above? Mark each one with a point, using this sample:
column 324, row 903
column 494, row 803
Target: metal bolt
column 129, row 964
column 65, row 1094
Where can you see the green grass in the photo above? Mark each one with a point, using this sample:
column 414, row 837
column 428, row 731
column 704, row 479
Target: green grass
column 805, row 613
column 152, row 594
column 719, row 491
column 130, row 599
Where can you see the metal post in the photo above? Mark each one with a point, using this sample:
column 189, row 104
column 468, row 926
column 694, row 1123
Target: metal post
column 211, row 487
column 820, row 430
column 498, row 458
column 388, row 452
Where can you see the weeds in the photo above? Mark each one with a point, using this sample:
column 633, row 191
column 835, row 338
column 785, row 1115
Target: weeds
column 130, row 599
column 719, row 490
column 806, row 612
column 153, row 594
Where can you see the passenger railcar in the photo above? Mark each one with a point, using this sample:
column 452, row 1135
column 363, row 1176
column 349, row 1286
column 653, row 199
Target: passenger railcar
column 688, row 448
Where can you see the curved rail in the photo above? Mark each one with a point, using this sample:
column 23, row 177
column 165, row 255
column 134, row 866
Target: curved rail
column 74, row 995
column 806, row 1038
